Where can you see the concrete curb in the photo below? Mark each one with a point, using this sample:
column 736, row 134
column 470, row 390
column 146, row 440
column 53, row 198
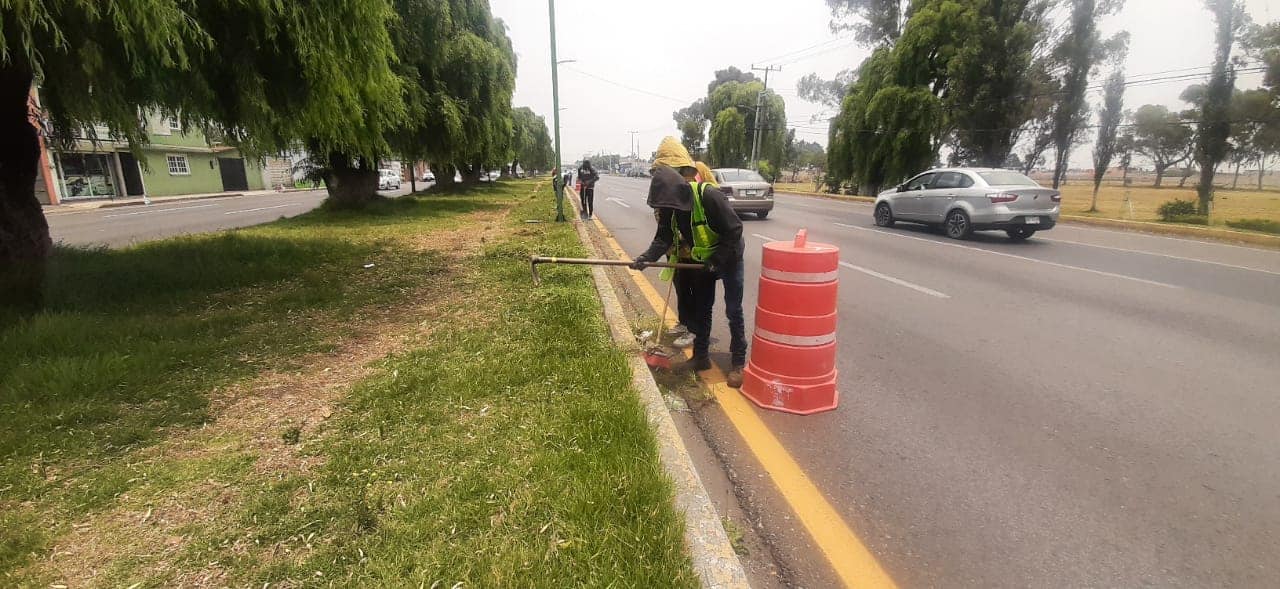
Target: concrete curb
column 713, row 557
column 75, row 207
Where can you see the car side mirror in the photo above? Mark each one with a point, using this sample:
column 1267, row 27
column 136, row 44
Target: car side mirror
column 902, row 188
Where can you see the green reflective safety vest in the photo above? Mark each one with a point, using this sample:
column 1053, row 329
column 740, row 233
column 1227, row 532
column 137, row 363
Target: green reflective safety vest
column 705, row 239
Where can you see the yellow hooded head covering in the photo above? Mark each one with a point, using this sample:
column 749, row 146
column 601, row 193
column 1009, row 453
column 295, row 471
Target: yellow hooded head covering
column 671, row 153
column 704, row 173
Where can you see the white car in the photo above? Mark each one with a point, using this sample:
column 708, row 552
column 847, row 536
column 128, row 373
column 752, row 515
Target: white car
column 429, row 176
column 388, row 180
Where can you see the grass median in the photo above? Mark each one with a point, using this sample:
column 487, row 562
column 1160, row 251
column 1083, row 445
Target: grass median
column 374, row 398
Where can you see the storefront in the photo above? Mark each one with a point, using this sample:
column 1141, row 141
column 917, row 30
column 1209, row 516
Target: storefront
column 87, row 175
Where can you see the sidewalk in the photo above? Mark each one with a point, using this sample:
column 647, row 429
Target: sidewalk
column 74, row 206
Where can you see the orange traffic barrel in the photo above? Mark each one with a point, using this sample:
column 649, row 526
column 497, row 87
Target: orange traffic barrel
column 793, row 351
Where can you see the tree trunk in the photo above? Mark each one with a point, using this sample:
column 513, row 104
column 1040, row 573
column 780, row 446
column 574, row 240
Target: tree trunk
column 1236, row 180
column 348, row 186
column 1093, row 205
column 1182, row 182
column 1205, row 189
column 1262, row 168
column 444, row 175
column 24, row 234
column 471, row 174
column 1160, row 174
column 1060, row 167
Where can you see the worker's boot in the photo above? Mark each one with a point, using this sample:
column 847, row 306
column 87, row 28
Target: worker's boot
column 734, row 378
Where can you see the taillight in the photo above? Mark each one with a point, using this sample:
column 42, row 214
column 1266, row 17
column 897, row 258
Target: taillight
column 769, row 192
column 1056, row 197
column 726, row 190
column 1002, row 197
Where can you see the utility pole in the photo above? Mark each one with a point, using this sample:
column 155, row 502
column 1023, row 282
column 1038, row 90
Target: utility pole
column 558, row 181
column 633, row 143
column 755, row 138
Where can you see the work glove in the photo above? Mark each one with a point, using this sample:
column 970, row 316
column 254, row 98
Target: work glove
column 640, row 263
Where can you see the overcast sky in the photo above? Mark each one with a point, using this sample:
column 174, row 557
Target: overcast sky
column 637, row 62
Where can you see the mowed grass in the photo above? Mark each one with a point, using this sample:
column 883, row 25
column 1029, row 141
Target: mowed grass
column 502, row 448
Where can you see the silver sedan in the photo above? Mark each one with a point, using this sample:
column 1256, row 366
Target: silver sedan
column 964, row 200
column 746, row 191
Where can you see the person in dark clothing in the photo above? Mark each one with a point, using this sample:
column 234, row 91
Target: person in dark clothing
column 684, row 205
column 588, row 176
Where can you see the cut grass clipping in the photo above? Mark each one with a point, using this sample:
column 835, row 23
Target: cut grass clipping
column 500, row 446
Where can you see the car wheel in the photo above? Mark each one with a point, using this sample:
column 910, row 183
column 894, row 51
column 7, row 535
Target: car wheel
column 762, row 214
column 957, row 225
column 884, row 216
column 1020, row 233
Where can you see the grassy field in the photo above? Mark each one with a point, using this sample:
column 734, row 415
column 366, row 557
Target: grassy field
column 375, row 398
column 1229, row 205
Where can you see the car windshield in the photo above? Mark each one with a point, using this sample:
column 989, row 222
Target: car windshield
column 1006, row 178
column 739, row 176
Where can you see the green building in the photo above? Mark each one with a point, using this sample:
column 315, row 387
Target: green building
column 174, row 162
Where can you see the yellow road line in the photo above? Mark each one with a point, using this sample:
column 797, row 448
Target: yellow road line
column 848, row 555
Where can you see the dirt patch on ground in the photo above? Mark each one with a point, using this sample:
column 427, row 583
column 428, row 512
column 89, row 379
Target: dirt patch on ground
column 266, row 421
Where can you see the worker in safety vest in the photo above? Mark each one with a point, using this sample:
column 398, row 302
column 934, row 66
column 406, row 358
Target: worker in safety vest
column 695, row 218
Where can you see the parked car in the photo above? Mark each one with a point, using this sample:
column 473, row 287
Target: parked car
column 388, row 180
column 429, row 176
column 747, row 191
column 964, row 200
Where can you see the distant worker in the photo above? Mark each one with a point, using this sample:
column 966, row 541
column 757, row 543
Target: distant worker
column 587, row 177
column 695, row 218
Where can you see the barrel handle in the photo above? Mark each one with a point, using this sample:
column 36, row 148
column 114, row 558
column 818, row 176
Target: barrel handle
column 802, row 236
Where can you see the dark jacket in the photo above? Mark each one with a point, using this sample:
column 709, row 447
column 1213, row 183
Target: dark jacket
column 587, row 176
column 671, row 195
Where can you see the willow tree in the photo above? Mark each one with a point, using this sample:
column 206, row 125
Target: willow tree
column 530, row 141
column 742, row 98
column 259, row 75
column 459, row 68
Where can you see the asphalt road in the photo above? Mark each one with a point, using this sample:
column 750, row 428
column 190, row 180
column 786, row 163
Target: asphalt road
column 121, row 226
column 1091, row 408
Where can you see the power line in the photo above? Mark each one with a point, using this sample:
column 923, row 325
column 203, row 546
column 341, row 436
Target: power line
column 631, row 88
column 803, row 49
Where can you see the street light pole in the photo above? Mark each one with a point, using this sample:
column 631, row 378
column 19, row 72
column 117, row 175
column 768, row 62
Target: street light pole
column 558, row 181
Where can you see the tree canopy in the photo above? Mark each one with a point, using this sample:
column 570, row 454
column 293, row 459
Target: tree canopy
column 959, row 70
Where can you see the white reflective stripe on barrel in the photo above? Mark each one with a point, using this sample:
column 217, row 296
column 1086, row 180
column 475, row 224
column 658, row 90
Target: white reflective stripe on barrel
column 796, row 340
column 783, row 276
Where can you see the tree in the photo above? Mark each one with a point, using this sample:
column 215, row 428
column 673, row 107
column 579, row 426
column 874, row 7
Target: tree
column 208, row 63
column 802, row 155
column 1262, row 43
column 530, row 141
column 1038, row 130
column 825, row 92
column 730, row 74
column 729, row 147
column 1162, row 137
column 772, row 121
column 692, row 122
column 875, row 23
column 1079, row 52
column 1109, row 120
column 1215, row 123
column 459, row 66
column 989, row 76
